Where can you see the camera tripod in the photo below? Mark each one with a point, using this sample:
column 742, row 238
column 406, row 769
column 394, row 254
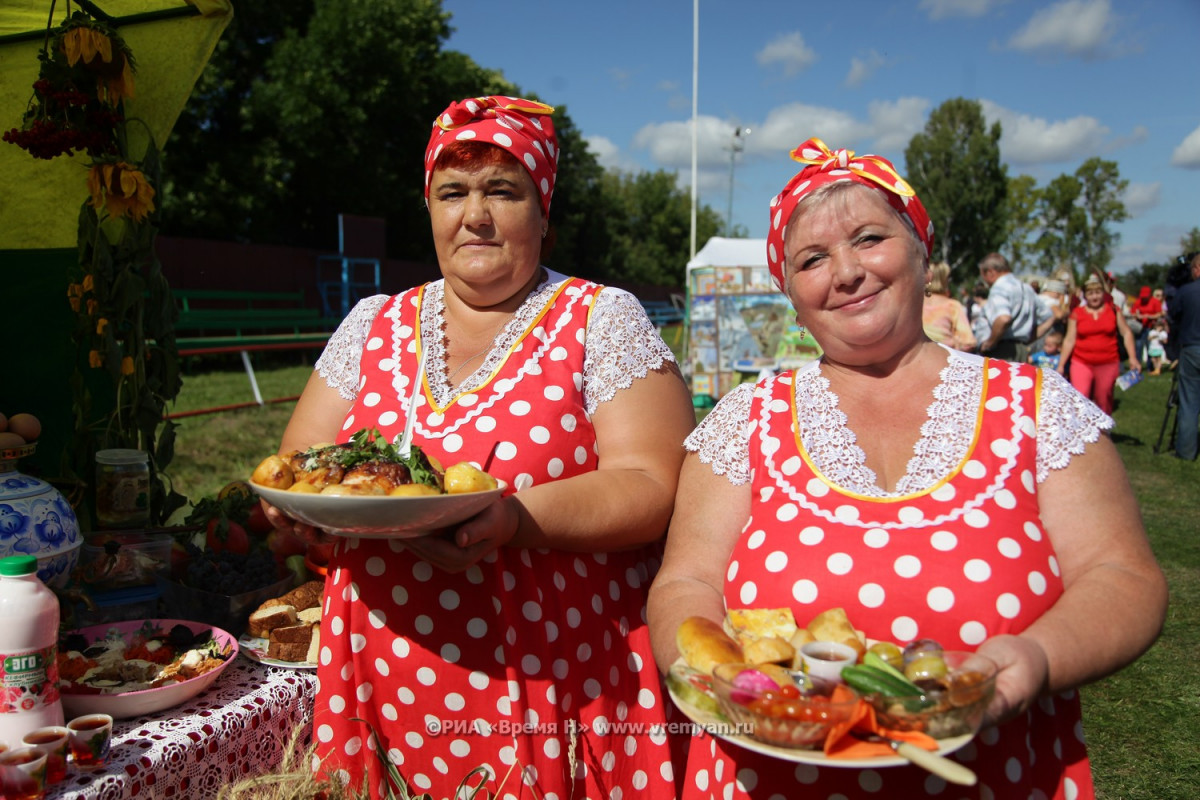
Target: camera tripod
column 1172, row 403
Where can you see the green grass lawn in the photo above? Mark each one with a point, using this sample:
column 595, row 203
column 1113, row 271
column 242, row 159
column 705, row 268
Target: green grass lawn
column 1142, row 725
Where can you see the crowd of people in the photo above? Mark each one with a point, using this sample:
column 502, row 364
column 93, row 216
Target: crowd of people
column 523, row 647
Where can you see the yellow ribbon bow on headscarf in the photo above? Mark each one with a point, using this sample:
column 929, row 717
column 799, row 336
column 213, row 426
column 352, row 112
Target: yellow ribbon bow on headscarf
column 817, row 153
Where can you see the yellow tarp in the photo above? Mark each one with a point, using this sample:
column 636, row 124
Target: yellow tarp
column 39, row 199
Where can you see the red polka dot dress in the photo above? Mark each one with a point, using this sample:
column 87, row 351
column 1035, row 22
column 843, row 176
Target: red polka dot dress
column 959, row 561
column 533, row 663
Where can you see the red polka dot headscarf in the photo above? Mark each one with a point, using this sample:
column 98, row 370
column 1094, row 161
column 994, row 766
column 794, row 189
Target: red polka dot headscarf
column 826, row 166
column 522, row 127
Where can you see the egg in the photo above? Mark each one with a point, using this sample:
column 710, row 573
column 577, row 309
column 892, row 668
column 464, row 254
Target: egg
column 26, row 426
column 9, row 440
column 3, row 423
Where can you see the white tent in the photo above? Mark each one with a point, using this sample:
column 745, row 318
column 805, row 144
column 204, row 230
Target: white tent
column 721, row 252
column 739, row 324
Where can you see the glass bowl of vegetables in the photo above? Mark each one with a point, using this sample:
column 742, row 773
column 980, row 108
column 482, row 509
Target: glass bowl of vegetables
column 942, row 693
column 778, row 706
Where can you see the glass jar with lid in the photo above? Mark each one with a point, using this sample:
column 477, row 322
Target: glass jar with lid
column 122, row 488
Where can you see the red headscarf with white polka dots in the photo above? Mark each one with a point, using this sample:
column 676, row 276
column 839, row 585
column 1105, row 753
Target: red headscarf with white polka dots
column 826, row 166
column 522, row 127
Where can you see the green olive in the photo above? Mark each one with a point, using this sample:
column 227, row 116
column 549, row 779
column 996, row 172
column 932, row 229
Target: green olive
column 889, row 652
column 931, row 667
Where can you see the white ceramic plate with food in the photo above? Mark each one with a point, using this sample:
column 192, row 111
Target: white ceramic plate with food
column 379, row 516
column 255, row 649
column 715, row 725
column 124, row 705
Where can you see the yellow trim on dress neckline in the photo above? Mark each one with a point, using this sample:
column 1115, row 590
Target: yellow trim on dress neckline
column 532, row 324
column 844, row 492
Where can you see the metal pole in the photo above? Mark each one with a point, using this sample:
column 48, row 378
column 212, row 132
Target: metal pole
column 735, row 147
column 695, row 122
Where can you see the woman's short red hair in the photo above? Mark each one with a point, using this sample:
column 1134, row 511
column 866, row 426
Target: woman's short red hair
column 468, row 154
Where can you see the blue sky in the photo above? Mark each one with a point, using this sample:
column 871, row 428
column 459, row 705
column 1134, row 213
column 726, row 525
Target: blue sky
column 1067, row 80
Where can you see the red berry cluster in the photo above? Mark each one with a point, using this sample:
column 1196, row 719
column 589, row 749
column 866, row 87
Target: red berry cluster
column 66, row 119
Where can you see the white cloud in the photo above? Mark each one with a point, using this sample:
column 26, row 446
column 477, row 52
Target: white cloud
column 670, row 143
column 788, row 126
column 1141, row 197
column 1187, row 154
column 887, row 131
column 1160, row 245
column 861, row 69
column 895, row 123
column 1074, row 27
column 940, row 9
column 609, row 155
column 1029, row 140
column 789, row 52
column 1139, row 134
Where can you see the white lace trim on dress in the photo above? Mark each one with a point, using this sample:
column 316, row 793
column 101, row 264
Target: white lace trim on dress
column 622, row 344
column 1067, row 422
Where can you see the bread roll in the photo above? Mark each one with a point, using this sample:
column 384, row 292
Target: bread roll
column 704, row 644
column 306, row 595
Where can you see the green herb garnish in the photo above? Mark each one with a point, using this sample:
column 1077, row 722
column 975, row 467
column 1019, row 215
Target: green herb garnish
column 369, row 444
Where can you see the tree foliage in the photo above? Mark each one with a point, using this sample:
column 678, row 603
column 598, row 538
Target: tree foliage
column 1022, row 221
column 954, row 165
column 1063, row 222
column 1075, row 214
column 1190, row 242
column 313, row 108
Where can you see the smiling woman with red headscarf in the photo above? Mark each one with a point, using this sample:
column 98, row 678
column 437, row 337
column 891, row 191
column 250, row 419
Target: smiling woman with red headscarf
column 512, row 641
column 931, row 493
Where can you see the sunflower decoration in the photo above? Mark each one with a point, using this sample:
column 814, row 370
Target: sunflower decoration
column 124, row 314
column 121, row 189
column 77, row 106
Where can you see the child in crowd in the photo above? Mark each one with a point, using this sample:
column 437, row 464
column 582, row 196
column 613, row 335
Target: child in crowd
column 1157, row 347
column 1047, row 357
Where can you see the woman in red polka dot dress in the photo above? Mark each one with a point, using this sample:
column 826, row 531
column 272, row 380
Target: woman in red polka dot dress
column 516, row 642
column 930, row 493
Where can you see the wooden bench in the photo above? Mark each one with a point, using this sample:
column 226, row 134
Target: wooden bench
column 663, row 312
column 217, row 321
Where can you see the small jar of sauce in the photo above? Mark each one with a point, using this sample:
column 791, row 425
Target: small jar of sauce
column 122, row 489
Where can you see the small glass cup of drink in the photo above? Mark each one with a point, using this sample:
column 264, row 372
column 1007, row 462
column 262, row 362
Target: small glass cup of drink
column 91, row 738
column 52, row 740
column 825, row 660
column 23, row 774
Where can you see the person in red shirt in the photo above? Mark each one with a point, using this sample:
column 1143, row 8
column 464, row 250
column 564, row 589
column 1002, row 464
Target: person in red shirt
column 1146, row 309
column 1091, row 345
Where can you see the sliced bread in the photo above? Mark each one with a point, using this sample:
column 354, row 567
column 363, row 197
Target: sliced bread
column 309, row 614
column 266, row 619
column 288, row 651
column 299, row 633
column 314, row 646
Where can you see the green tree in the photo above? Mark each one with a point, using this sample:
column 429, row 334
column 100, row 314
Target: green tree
column 1102, row 187
column 954, row 165
column 1022, row 221
column 1153, row 275
column 1190, row 242
column 210, row 186
column 649, row 227
column 322, row 107
column 1063, row 222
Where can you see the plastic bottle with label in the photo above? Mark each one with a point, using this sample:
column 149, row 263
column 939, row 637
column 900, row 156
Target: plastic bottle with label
column 29, row 697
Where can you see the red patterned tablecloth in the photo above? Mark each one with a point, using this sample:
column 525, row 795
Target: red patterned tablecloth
column 238, row 728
